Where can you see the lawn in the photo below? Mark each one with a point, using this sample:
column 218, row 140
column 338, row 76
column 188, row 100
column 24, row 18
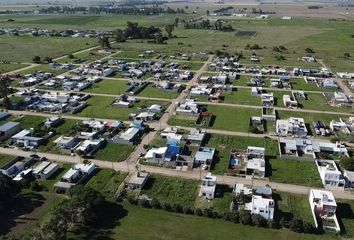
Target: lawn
column 7, row 67
column 24, row 48
column 29, row 121
column 132, row 222
column 227, row 118
column 100, row 107
column 345, row 215
column 43, row 68
column 114, row 87
column 294, row 172
column 172, row 190
column 242, row 96
column 155, row 92
column 4, row 159
column 114, row 152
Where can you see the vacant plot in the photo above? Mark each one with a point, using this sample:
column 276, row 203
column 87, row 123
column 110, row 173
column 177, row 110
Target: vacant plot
column 43, row 68
column 172, row 190
column 24, row 48
column 155, row 92
column 4, row 159
column 345, row 214
column 114, row 152
column 294, row 172
column 114, row 87
column 293, row 206
column 84, row 57
column 227, row 118
column 29, row 121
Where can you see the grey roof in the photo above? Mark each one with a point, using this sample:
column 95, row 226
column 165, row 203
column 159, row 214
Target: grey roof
column 9, row 125
column 4, row 115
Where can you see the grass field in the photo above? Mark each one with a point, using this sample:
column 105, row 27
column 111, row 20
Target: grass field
column 114, row 87
column 155, row 92
column 131, row 222
column 294, row 172
column 100, row 107
column 227, row 118
column 242, row 96
column 7, row 67
column 114, row 152
column 24, row 48
column 4, row 159
column 172, row 190
column 43, row 68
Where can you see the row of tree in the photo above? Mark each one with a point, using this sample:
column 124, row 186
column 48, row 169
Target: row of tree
column 207, row 25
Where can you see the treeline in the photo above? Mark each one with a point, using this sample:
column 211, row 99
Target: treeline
column 224, row 9
column 154, row 10
column 142, row 2
column 207, row 25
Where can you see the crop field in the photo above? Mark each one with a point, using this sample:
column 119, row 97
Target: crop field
column 24, row 48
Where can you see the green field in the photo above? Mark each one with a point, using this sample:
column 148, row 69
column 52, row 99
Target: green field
column 7, row 67
column 4, row 159
column 155, row 92
column 43, row 68
column 24, row 48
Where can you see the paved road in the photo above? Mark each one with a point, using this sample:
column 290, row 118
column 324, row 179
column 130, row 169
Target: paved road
column 129, row 166
column 276, row 108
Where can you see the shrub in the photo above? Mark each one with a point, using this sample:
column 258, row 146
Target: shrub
column 258, row 220
column 177, row 208
column 245, row 218
column 144, row 203
column 296, row 225
column 35, row 186
column 198, row 212
column 155, row 204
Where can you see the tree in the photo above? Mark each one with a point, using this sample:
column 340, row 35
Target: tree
column 8, row 190
column 104, row 42
column 119, row 36
column 5, row 83
column 346, row 56
column 309, row 50
column 176, row 22
column 207, row 12
column 71, row 56
column 347, row 163
column 169, row 29
column 48, row 60
column 36, row 59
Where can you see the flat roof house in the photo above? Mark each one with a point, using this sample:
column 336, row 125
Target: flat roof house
column 45, row 170
column 330, row 175
column 138, row 180
column 261, row 206
column 291, row 127
column 205, row 155
column 24, row 138
column 8, row 129
column 208, row 186
column 323, row 208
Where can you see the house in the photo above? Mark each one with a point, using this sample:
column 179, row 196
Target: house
column 255, row 162
column 16, row 166
column 267, row 99
column 240, row 188
column 330, row 174
column 205, row 156
column 25, row 139
column 138, row 180
column 162, row 154
column 291, row 127
column 289, row 102
column 189, row 107
column 53, row 122
column 340, row 98
column 78, row 174
column 66, row 144
column 90, row 146
column 261, row 206
column 349, row 176
column 8, row 129
column 339, row 126
column 155, row 108
column 4, row 115
column 45, row 170
column 130, row 136
column 196, row 136
column 208, row 186
column 329, row 83
column 323, row 208
column 309, row 59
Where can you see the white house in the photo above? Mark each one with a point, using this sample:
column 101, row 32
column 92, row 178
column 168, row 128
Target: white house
column 255, row 162
column 323, row 208
column 207, row 189
column 291, row 127
column 330, row 175
column 262, row 206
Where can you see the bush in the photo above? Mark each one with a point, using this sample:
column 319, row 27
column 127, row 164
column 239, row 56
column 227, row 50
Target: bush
column 35, row 186
column 198, row 212
column 334, row 140
column 155, row 204
column 144, row 203
column 132, row 200
column 296, row 225
column 258, row 220
column 177, row 208
column 308, row 228
column 283, row 223
column 273, row 224
column 166, row 206
column 187, row 210
column 245, row 218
